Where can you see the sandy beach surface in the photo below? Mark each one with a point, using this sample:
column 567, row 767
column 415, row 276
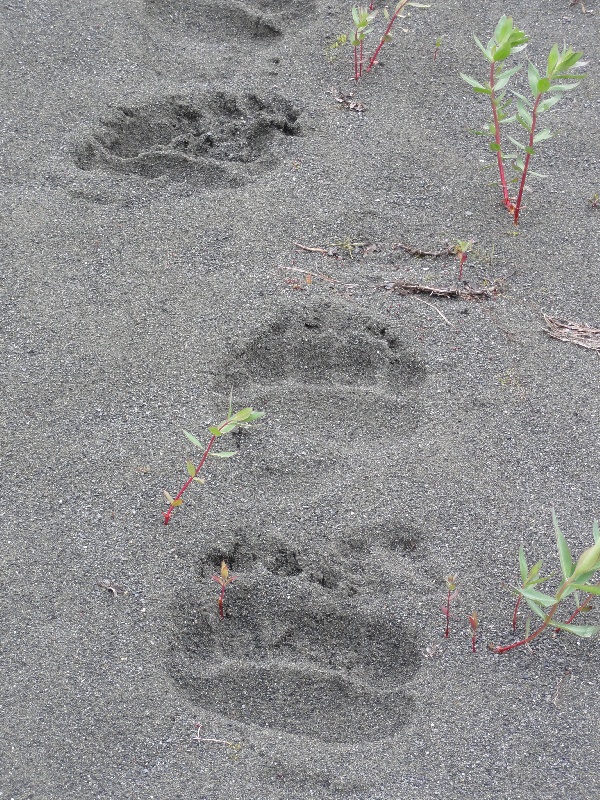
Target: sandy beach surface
column 196, row 198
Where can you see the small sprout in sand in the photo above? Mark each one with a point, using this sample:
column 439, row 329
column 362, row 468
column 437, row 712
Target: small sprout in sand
column 546, row 91
column 474, row 625
column 241, row 419
column 452, row 593
column 461, row 251
column 438, row 44
column 332, row 49
column 362, row 17
column 576, row 577
column 594, row 200
column 224, row 580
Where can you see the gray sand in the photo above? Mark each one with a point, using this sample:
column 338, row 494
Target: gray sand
column 161, row 160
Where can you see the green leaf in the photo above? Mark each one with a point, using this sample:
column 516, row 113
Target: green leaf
column 537, row 597
column 543, row 135
column 485, row 52
column 504, row 77
column 503, row 28
column 533, row 76
column 583, row 587
column 596, row 531
column 566, row 560
column 548, row 103
column 355, row 15
column 563, row 87
column 215, row 431
column 193, row 439
column 241, row 415
column 494, row 147
column 516, row 143
column 534, row 572
column 224, row 454
column 543, row 85
column 524, row 116
column 475, row 84
column 502, row 52
column 568, row 59
column 228, row 428
column 523, row 569
column 585, row 631
column 536, row 609
column 552, row 60
column 255, row 415
column 191, row 469
column 589, row 560
column 387, row 37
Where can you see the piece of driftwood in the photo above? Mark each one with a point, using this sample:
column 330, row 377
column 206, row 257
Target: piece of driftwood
column 465, row 292
column 583, row 335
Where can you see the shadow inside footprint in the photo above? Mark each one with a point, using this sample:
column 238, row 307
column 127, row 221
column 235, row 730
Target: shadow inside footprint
column 219, row 137
column 258, row 20
column 326, row 347
column 325, row 674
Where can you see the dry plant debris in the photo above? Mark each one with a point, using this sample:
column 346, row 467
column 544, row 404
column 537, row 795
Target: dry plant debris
column 582, row 335
column 348, row 101
column 458, row 293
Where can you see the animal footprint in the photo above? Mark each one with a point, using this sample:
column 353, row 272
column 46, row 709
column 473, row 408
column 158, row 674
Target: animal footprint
column 328, row 673
column 261, row 20
column 220, row 138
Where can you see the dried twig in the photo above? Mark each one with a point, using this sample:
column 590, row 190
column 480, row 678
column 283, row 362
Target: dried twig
column 416, row 251
column 201, row 739
column 582, row 335
column 459, row 293
column 307, row 249
column 443, row 316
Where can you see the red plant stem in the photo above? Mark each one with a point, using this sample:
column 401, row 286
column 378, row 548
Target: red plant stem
column 167, row 514
column 527, row 157
column 530, row 638
column 220, row 601
column 505, row 194
column 356, row 75
column 578, row 609
column 533, row 635
column 382, row 40
column 514, row 619
column 360, row 66
column 447, row 633
column 473, row 640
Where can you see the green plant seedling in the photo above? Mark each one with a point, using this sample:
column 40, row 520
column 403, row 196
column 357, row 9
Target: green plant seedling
column 461, row 251
column 224, row 580
column 546, row 91
column 577, row 576
column 241, row 419
column 474, row 625
column 332, row 49
column 594, row 200
column 451, row 594
column 438, row 44
column 362, row 18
